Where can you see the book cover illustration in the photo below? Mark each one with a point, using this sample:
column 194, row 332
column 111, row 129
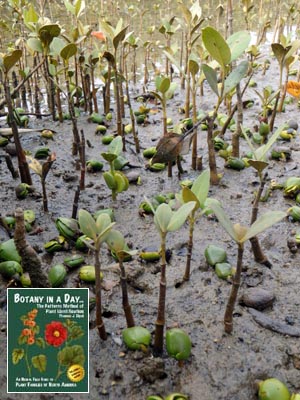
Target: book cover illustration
column 47, row 340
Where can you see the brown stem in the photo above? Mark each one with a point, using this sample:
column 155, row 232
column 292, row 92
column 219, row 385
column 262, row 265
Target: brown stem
column 125, row 301
column 99, row 320
column 82, row 160
column 45, row 201
column 107, row 90
column 134, row 132
column 87, row 79
column 214, row 179
column 31, row 263
column 274, row 112
column 94, row 91
column 186, row 276
column 75, row 202
column 22, row 162
column 228, row 317
column 76, row 138
column 160, row 322
column 16, row 89
column 259, row 256
column 239, row 122
column 194, row 143
column 10, row 166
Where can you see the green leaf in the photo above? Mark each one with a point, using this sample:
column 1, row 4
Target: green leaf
column 35, row 44
column 30, row 16
column 102, row 222
column 224, row 220
column 216, row 45
column 188, row 195
column 193, row 65
column 238, row 43
column 48, row 32
column 40, row 342
column 279, row 51
column 179, row 217
column 170, row 92
column 162, row 217
column 235, row 76
column 115, row 240
column 109, row 157
column 68, row 51
column 116, row 145
column 119, row 37
column 17, row 355
column 201, row 187
column 79, row 7
column 258, row 165
column 56, row 46
column 264, row 222
column 157, row 96
column 87, row 224
column 9, row 60
column 164, row 85
column 69, row 7
column 293, row 48
column 211, row 77
column 39, row 362
column 70, row 355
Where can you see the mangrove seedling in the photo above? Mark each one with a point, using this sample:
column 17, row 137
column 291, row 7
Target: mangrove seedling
column 116, row 243
column 166, row 221
column 258, row 162
column 42, row 169
column 116, row 181
column 240, row 234
column 164, row 91
column 224, row 53
column 178, row 344
column 197, row 193
column 136, row 338
column 96, row 230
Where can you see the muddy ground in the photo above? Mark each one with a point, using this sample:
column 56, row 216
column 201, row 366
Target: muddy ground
column 221, row 366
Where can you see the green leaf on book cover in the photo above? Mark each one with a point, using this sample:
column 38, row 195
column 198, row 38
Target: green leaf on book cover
column 17, row 355
column 39, row 362
column 71, row 355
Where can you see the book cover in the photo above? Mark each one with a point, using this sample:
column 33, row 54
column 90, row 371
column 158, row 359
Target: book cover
column 47, row 340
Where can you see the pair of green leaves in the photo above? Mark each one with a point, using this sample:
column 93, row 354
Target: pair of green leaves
column 239, row 233
column 167, row 220
column 224, row 53
column 96, row 230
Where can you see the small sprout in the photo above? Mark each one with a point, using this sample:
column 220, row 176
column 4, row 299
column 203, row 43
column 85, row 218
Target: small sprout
column 136, row 338
column 178, row 344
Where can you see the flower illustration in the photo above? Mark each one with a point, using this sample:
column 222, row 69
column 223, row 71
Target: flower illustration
column 55, row 333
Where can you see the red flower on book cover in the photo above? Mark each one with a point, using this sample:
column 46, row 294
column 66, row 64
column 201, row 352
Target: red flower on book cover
column 55, row 333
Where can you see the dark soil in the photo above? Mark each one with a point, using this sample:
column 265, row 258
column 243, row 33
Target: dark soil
column 221, row 366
